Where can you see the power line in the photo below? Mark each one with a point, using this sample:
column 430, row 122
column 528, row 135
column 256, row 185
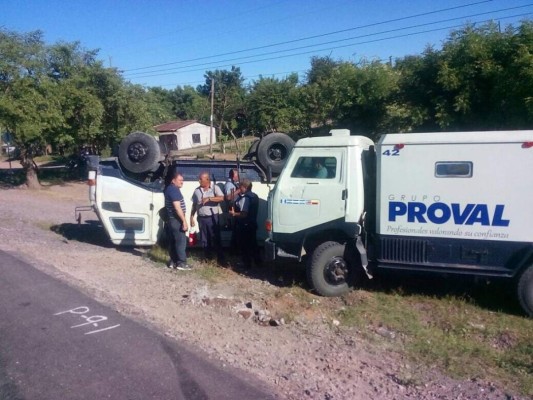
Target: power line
column 343, row 46
column 244, row 77
column 205, row 65
column 313, row 37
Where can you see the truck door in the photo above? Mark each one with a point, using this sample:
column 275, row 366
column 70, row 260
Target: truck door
column 128, row 211
column 312, row 189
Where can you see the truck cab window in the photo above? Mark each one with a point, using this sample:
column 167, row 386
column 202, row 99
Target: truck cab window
column 315, row 167
column 454, row 169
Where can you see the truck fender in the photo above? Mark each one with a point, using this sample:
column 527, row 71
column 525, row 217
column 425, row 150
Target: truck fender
column 364, row 257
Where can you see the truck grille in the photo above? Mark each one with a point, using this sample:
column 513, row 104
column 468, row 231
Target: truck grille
column 403, row 250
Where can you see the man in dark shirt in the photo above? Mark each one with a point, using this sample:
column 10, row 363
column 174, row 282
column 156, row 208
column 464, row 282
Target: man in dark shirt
column 177, row 223
column 245, row 214
column 231, row 193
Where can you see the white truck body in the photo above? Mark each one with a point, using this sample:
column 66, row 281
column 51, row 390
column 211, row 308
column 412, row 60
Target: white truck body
column 456, row 202
column 490, row 200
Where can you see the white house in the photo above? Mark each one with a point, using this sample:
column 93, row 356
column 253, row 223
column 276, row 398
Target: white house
column 179, row 135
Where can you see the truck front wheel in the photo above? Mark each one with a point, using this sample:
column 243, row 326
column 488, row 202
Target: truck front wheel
column 328, row 272
column 525, row 290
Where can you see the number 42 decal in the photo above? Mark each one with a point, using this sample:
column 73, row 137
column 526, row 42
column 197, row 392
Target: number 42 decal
column 394, row 152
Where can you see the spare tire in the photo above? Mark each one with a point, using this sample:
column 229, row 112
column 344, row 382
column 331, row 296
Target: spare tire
column 273, row 151
column 139, row 152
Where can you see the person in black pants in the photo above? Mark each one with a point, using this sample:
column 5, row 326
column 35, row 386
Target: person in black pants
column 177, row 223
column 245, row 214
column 205, row 204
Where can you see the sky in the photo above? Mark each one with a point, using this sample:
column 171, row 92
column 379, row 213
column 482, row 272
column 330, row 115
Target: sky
column 171, row 43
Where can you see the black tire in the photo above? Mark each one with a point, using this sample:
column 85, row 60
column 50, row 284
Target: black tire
column 328, row 271
column 273, row 151
column 525, row 291
column 139, row 152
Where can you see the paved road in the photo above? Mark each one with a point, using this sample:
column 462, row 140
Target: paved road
column 57, row 343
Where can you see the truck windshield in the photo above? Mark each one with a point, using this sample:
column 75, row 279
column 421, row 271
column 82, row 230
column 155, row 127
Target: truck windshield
column 315, row 167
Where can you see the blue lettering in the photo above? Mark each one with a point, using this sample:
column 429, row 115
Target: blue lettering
column 416, row 211
column 441, row 213
column 479, row 215
column 396, row 208
column 444, row 210
column 498, row 220
column 460, row 217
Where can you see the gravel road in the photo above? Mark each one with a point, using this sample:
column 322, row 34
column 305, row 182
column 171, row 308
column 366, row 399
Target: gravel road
column 308, row 358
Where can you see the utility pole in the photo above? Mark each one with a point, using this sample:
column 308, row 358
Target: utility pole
column 212, row 107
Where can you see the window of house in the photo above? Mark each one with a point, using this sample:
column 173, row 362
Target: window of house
column 196, row 138
column 454, row 169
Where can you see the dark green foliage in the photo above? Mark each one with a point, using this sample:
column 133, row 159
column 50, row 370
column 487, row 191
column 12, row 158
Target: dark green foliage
column 62, row 95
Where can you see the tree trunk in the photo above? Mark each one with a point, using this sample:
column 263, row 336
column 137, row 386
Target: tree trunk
column 30, row 168
column 237, row 150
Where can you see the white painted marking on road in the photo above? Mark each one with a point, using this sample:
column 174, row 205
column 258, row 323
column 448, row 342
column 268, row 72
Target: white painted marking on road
column 74, row 311
column 92, row 320
column 101, row 330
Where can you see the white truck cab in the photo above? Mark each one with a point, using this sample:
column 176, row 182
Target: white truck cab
column 455, row 202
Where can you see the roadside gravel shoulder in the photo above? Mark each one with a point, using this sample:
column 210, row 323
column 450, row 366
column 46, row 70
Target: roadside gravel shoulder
column 308, row 358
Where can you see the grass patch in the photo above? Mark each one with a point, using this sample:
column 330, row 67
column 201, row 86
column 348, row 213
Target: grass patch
column 211, row 272
column 208, row 271
column 450, row 332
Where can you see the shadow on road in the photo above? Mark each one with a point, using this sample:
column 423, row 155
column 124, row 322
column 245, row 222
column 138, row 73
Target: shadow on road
column 91, row 232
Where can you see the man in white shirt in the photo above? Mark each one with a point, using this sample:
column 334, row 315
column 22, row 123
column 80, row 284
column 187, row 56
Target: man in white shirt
column 205, row 203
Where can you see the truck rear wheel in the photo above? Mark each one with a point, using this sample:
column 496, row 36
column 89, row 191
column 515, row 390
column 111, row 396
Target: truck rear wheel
column 525, row 290
column 273, row 151
column 139, row 152
column 328, row 272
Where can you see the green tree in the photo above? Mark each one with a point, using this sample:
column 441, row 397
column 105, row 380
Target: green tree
column 487, row 77
column 275, row 105
column 229, row 98
column 160, row 105
column 28, row 107
column 187, row 103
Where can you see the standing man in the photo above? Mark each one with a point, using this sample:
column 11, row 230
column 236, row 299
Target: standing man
column 231, row 192
column 205, row 202
column 231, row 188
column 245, row 214
column 177, row 223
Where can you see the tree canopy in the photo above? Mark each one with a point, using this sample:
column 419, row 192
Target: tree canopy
column 62, row 95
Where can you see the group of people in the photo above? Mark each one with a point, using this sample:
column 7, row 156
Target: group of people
column 242, row 207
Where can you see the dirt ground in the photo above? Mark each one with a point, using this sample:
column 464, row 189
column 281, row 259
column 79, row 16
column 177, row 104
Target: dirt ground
column 309, row 358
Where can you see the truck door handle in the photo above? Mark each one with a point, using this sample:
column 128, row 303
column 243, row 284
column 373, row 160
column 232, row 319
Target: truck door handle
column 345, row 194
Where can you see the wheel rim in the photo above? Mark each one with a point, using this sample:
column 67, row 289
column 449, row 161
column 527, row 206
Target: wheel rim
column 137, row 152
column 336, row 271
column 277, row 152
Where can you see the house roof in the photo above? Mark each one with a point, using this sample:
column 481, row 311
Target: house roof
column 173, row 126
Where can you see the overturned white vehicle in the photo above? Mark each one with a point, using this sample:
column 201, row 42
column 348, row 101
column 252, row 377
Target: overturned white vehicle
column 126, row 192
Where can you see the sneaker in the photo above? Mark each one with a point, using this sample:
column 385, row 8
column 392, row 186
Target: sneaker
column 183, row 267
column 170, row 264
